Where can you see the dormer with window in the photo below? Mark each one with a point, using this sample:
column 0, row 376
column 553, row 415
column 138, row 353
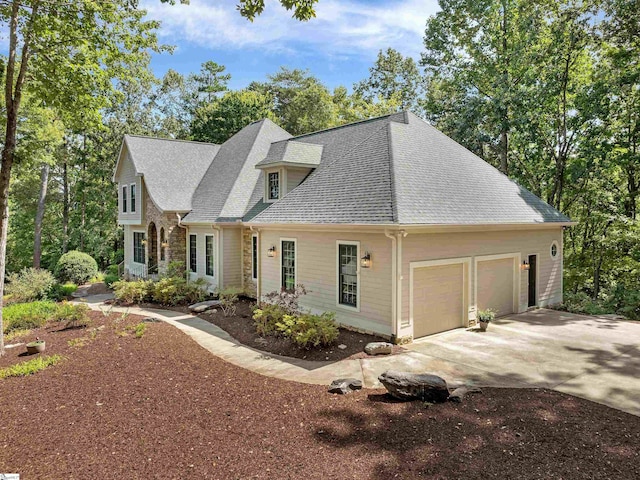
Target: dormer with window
column 286, row 166
column 130, row 191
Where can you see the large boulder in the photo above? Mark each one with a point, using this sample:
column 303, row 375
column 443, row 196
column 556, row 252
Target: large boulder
column 415, row 386
column 203, row 306
column 345, row 385
column 378, row 348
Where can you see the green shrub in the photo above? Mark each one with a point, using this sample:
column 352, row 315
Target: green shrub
column 111, row 270
column 309, row 330
column 132, row 292
column 72, row 315
column 29, row 284
column 228, row 299
column 62, row 291
column 97, row 278
column 30, row 366
column 21, row 316
column 583, row 303
column 175, row 269
column 110, row 279
column 10, row 337
column 267, row 317
column 178, row 291
column 140, row 329
column 76, row 267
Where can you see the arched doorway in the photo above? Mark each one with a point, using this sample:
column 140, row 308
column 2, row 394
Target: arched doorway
column 152, row 235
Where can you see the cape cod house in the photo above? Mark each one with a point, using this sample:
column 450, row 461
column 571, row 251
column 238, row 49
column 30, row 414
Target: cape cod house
column 388, row 222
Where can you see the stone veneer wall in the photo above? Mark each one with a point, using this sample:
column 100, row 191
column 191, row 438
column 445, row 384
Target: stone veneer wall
column 249, row 285
column 174, row 235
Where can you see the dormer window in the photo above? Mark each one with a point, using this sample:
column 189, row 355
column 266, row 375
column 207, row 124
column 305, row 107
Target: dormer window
column 133, row 198
column 124, row 199
column 274, row 186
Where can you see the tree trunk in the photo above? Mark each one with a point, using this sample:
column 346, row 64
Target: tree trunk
column 37, row 241
column 65, row 206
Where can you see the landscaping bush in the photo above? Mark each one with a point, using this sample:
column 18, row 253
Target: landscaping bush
column 132, row 292
column 72, row 315
column 583, row 303
column 76, row 267
column 178, row 291
column 30, row 366
column 228, row 300
column 111, row 270
column 267, row 317
column 29, row 284
column 62, row 291
column 286, row 299
column 20, row 316
column 309, row 330
column 110, row 279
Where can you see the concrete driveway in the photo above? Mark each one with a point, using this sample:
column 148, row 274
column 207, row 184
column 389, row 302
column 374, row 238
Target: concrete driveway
column 591, row 357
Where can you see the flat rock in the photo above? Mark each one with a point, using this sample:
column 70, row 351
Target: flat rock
column 343, row 386
column 342, row 346
column 415, row 386
column 204, row 306
column 459, row 393
column 378, row 348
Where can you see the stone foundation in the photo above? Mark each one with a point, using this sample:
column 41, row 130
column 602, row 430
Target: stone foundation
column 249, row 285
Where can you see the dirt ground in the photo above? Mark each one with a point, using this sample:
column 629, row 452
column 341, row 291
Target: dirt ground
column 161, row 406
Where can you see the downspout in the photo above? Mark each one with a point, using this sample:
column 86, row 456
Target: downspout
column 259, row 260
column 394, row 285
column 401, row 235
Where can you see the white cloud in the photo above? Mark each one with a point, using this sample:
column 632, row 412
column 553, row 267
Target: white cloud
column 341, row 28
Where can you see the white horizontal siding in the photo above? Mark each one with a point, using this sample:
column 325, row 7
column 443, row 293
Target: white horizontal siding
column 317, row 270
column 126, row 176
column 420, row 247
column 201, row 233
column 232, row 257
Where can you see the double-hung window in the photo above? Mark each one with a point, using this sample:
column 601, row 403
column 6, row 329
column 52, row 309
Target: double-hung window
column 274, row 186
column 348, row 274
column 133, row 198
column 254, row 257
column 288, row 264
column 138, row 247
column 208, row 253
column 193, row 254
column 124, row 199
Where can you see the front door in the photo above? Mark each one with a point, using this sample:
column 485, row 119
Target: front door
column 533, row 266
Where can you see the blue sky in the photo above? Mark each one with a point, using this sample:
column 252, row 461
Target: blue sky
column 338, row 46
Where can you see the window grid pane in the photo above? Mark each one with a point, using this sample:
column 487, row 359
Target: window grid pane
column 274, row 186
column 348, row 275
column 138, row 247
column 133, row 198
column 288, row 265
column 254, row 257
column 209, row 255
column 193, row 259
column 124, row 199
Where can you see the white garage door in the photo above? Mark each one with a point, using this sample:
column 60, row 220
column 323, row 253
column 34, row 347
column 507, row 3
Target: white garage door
column 495, row 285
column 438, row 296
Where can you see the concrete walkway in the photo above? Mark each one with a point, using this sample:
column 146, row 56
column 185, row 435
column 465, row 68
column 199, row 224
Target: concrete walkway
column 593, row 358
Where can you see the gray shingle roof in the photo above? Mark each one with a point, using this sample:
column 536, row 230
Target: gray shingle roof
column 293, row 153
column 226, row 189
column 171, row 169
column 399, row 169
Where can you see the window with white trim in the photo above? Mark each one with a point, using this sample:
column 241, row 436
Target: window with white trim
column 554, row 249
column 124, row 199
column 138, row 247
column 348, row 274
column 163, row 241
column 193, row 254
column 208, row 253
column 133, row 198
column 288, row 264
column 254, row 257
column 274, row 186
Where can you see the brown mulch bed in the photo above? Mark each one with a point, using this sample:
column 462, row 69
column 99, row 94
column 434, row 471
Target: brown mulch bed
column 241, row 327
column 163, row 407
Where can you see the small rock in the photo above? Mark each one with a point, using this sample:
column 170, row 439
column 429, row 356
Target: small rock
column 150, row 320
column 378, row 348
column 261, row 341
column 204, row 306
column 342, row 346
column 459, row 393
column 415, row 386
column 343, row 386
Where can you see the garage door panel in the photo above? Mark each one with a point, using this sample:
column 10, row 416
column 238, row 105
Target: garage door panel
column 438, row 296
column 494, row 283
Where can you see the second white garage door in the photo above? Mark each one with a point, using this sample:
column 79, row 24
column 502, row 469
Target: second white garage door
column 494, row 284
column 438, row 296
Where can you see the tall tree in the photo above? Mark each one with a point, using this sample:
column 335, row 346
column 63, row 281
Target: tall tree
column 393, row 77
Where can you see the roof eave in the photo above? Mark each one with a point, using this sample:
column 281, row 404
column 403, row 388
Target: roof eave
column 286, row 164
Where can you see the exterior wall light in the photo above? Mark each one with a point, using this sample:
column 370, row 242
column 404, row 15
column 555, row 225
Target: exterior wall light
column 272, row 251
column 164, row 244
column 525, row 265
column 144, row 242
column 365, row 261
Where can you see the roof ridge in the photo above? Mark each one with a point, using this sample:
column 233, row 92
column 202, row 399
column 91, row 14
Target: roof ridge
column 149, row 137
column 366, row 120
